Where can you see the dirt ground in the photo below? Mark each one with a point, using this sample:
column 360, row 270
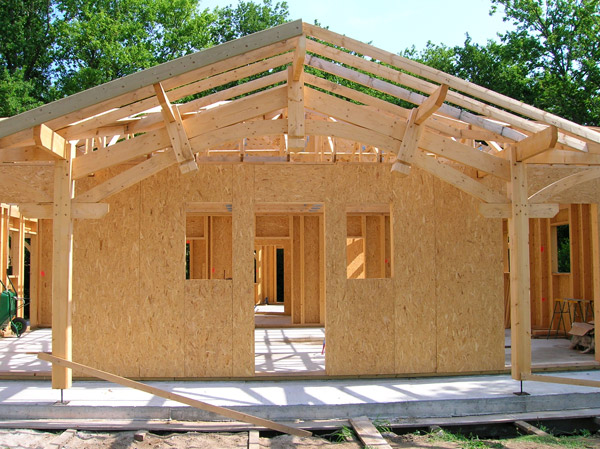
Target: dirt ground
column 30, row 439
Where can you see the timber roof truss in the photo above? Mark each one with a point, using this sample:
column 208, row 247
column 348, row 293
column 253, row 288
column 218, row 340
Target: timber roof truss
column 276, row 97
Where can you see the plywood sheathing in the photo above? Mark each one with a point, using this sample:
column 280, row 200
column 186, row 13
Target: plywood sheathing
column 393, row 323
column 109, row 314
column 468, row 285
column 242, row 328
column 26, row 183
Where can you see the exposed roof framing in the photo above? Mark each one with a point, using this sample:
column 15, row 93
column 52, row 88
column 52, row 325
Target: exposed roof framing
column 275, row 97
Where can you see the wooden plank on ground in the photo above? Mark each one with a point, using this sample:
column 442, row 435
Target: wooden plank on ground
column 531, row 430
column 63, row 439
column 368, row 434
column 228, row 413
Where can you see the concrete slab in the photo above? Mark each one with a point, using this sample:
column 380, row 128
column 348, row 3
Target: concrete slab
column 306, row 400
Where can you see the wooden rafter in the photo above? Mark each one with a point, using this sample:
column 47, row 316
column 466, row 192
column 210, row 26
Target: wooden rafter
column 142, row 81
column 454, row 82
column 128, row 178
column 537, row 143
column 458, row 179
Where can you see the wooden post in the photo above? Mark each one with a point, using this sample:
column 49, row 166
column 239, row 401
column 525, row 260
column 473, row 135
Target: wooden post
column 62, row 259
column 243, row 226
column 34, row 279
column 595, row 229
column 518, row 228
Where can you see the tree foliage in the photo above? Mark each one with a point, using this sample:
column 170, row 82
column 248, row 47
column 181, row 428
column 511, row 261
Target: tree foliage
column 551, row 59
column 53, row 48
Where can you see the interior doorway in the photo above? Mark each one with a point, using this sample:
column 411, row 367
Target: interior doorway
column 289, row 291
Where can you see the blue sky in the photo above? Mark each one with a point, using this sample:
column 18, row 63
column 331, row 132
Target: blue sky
column 394, row 25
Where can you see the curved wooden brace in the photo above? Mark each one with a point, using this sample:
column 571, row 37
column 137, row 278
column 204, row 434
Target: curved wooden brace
column 547, row 193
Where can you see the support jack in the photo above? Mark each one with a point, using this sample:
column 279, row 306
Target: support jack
column 62, row 399
column 521, row 393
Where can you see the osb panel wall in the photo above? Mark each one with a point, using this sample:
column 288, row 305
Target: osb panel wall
column 208, row 315
column 414, row 275
column 37, row 178
column 109, row 329
column 468, row 284
column 400, row 321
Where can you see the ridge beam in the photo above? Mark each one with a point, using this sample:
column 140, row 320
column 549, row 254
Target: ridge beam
column 537, row 143
column 414, row 130
column 174, row 124
column 296, row 121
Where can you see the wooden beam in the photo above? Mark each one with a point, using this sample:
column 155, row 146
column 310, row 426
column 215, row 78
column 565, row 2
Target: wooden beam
column 457, row 179
column 531, row 430
column 454, row 82
column 228, row 413
column 146, row 78
column 557, row 187
column 80, row 211
column 537, row 143
column 49, row 141
column 179, row 139
column 299, row 55
column 504, row 210
column 127, row 178
column 518, row 225
column 353, row 113
column 409, row 145
column 62, row 260
column 472, row 157
column 368, row 434
column 295, row 105
column 432, row 104
column 120, row 152
column 83, row 129
column 562, row 380
column 413, row 97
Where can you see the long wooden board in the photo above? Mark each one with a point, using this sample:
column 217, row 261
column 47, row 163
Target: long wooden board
column 368, row 433
column 228, row 413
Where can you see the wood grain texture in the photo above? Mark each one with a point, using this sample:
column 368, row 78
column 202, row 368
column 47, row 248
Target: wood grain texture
column 470, row 331
column 243, row 271
column 208, row 338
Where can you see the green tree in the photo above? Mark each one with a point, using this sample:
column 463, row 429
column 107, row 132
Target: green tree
column 562, row 42
column 247, row 18
column 25, row 58
column 551, row 59
column 100, row 40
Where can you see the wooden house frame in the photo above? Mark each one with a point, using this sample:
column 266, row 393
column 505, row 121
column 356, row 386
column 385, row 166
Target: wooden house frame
column 65, row 161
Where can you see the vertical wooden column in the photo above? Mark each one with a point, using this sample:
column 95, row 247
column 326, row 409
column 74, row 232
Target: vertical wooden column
column 296, row 131
column 335, row 283
column 62, row 259
column 4, row 225
column 518, row 229
column 34, row 280
column 595, row 231
column 243, row 271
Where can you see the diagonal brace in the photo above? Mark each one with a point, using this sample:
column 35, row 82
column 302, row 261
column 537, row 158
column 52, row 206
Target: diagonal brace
column 414, row 130
column 179, row 140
